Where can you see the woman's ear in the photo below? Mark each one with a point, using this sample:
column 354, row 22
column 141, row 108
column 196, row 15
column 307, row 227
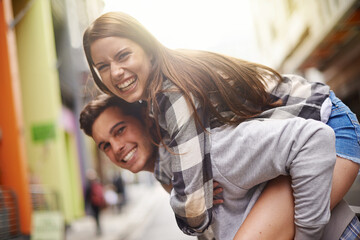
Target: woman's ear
column 148, row 121
column 152, row 59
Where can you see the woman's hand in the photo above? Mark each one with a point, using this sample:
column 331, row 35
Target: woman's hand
column 217, row 197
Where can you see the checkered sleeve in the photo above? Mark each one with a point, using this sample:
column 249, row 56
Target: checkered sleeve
column 191, row 197
column 300, row 98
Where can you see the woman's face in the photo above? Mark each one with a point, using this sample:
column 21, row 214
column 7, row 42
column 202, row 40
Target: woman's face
column 123, row 65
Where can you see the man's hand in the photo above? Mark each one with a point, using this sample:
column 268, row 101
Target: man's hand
column 217, row 197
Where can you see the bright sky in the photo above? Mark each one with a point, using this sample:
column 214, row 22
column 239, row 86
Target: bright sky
column 222, row 26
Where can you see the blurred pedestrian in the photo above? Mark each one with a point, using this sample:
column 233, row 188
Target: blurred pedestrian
column 111, row 197
column 94, row 197
column 120, row 189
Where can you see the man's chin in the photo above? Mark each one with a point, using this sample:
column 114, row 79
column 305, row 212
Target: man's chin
column 136, row 170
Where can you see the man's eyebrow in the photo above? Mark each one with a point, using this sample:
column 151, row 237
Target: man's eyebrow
column 111, row 130
column 117, row 124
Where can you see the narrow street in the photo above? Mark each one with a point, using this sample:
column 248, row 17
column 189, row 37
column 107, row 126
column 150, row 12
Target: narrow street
column 147, row 215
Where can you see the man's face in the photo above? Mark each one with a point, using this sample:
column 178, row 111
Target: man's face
column 124, row 139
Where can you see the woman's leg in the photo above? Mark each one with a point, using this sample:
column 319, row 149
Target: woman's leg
column 272, row 216
column 345, row 172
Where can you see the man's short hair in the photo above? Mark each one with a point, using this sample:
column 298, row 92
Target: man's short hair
column 102, row 102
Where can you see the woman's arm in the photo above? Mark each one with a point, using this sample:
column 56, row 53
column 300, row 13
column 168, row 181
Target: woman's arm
column 272, row 217
column 192, row 194
column 167, row 187
column 217, row 189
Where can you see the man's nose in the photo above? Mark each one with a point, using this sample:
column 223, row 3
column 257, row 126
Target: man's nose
column 118, row 146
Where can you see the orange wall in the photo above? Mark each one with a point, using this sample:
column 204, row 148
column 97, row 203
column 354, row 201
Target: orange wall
column 13, row 171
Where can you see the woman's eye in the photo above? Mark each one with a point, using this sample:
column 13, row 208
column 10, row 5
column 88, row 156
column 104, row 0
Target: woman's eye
column 101, row 67
column 123, row 55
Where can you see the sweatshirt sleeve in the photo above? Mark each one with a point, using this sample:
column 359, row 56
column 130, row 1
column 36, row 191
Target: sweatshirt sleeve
column 265, row 148
column 191, row 197
column 311, row 172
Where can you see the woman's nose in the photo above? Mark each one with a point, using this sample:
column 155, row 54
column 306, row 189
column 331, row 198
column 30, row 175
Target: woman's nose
column 116, row 70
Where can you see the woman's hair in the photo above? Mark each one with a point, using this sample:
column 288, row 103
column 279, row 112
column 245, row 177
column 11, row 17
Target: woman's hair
column 238, row 85
column 102, row 102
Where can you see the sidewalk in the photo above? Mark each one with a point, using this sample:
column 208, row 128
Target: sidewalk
column 141, row 198
column 147, row 213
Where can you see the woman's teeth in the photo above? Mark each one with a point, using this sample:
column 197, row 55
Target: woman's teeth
column 129, row 155
column 126, row 85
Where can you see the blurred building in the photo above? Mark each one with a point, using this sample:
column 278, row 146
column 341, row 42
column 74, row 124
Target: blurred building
column 319, row 40
column 43, row 154
column 13, row 169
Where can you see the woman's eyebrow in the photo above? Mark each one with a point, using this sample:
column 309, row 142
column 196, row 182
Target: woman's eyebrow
column 120, row 52
column 115, row 56
column 99, row 63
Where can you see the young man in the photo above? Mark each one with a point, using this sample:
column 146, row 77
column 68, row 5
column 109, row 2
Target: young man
column 243, row 159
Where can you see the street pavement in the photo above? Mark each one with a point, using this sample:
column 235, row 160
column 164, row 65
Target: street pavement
column 146, row 216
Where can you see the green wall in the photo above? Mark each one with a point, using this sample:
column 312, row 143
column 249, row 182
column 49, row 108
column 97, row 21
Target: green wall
column 47, row 147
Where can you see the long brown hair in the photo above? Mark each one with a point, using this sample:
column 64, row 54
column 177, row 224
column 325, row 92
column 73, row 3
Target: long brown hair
column 238, row 85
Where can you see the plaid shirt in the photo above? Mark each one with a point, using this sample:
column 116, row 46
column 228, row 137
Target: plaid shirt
column 188, row 167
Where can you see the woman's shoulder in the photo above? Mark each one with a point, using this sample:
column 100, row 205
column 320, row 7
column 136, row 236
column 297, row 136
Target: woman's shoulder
column 168, row 87
column 170, row 94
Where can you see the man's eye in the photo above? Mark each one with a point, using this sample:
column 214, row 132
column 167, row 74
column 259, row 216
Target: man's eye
column 120, row 131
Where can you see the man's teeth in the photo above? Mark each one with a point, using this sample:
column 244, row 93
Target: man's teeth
column 129, row 155
column 126, row 85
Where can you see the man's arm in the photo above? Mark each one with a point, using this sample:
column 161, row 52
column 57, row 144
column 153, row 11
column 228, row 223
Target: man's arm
column 303, row 149
column 272, row 217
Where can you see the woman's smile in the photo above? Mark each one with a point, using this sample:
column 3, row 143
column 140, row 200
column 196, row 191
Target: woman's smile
column 123, row 66
column 127, row 84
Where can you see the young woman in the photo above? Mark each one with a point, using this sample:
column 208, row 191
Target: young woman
column 189, row 93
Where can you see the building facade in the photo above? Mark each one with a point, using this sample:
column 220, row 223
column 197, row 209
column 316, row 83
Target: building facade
column 43, row 154
column 319, row 40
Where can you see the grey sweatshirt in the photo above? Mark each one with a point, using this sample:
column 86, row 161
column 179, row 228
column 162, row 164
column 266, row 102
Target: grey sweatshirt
column 247, row 155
